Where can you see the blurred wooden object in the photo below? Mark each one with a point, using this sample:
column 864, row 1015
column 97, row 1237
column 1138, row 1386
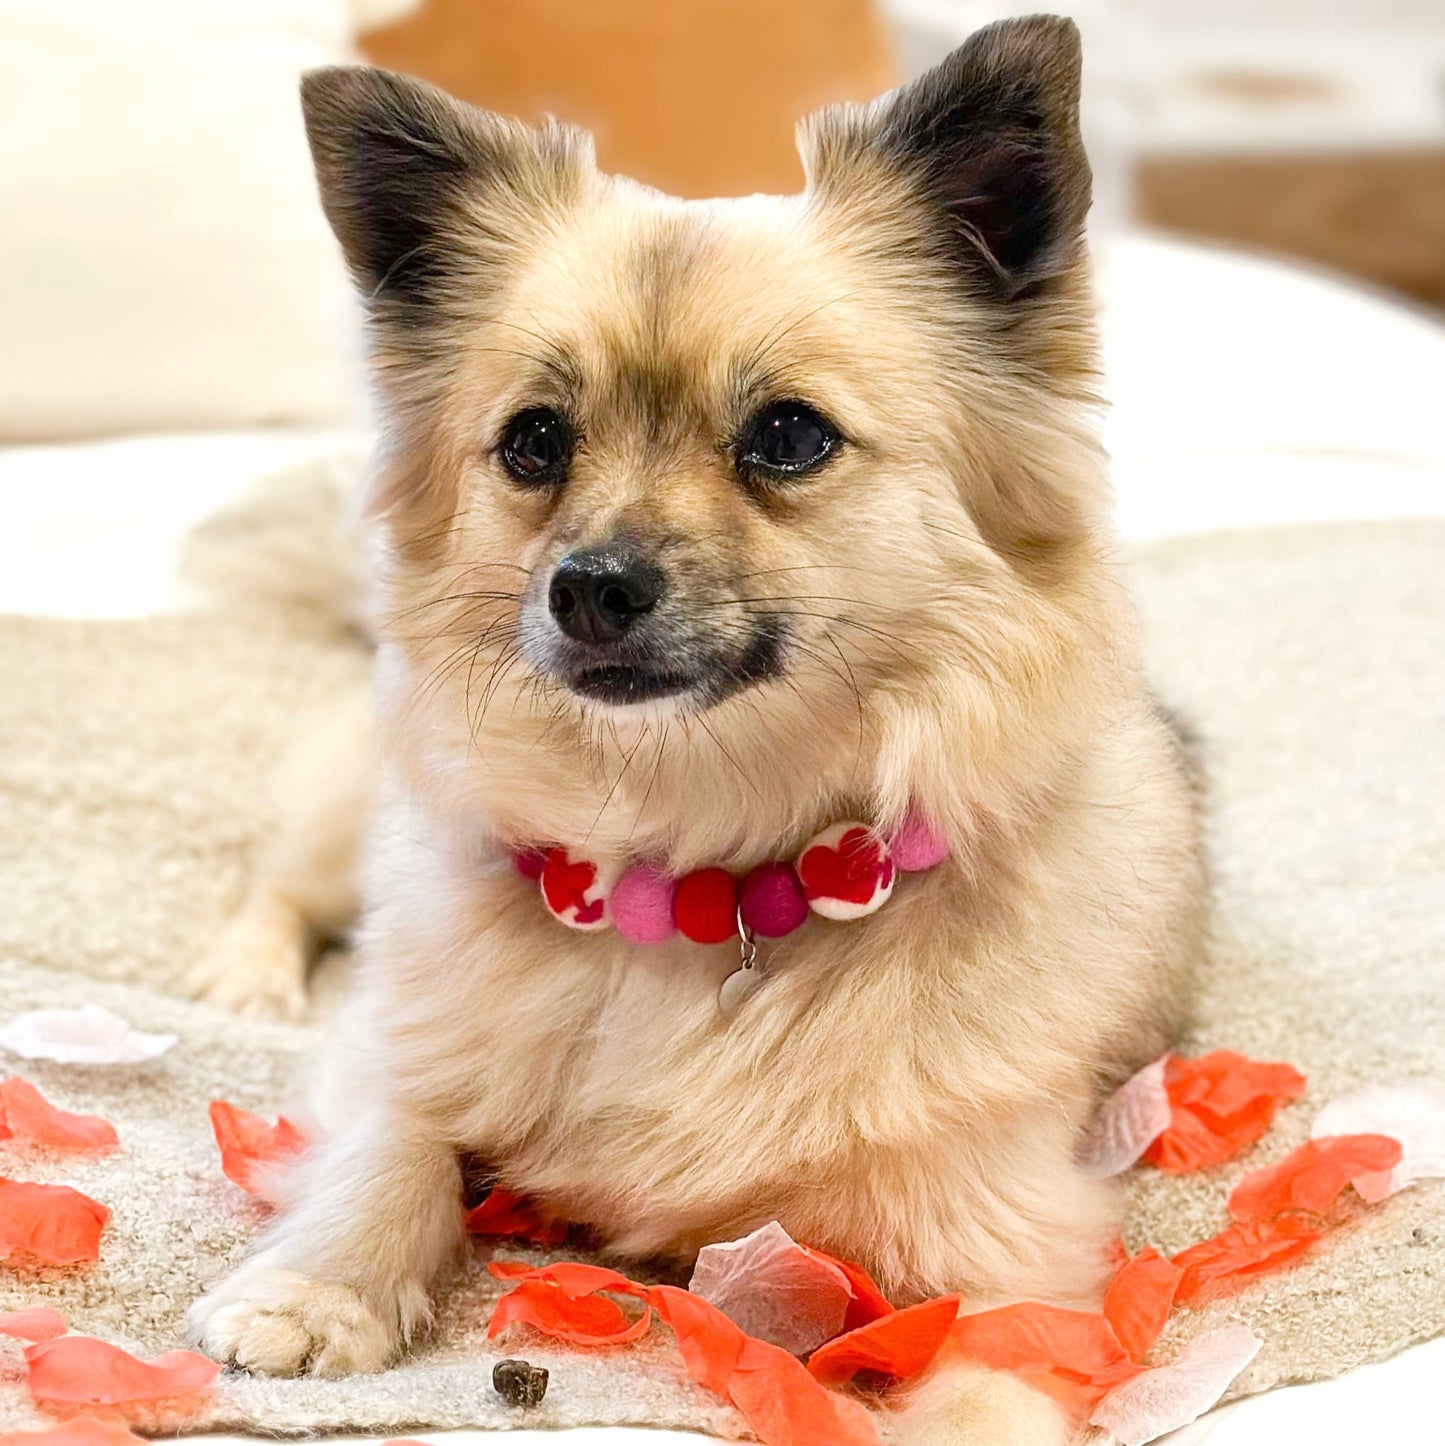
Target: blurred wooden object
column 1375, row 214
column 698, row 97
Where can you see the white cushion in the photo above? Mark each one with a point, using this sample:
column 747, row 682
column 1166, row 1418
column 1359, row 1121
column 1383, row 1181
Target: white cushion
column 164, row 262
column 1250, row 393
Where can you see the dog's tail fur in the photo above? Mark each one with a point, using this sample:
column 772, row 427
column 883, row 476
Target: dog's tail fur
column 957, row 1404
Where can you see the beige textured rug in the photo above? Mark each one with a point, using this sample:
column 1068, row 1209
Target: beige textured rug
column 131, row 761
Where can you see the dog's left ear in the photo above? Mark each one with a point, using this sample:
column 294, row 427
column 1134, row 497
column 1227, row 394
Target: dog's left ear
column 988, row 141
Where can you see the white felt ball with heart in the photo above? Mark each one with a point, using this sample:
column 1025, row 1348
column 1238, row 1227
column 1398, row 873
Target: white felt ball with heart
column 576, row 891
column 846, row 872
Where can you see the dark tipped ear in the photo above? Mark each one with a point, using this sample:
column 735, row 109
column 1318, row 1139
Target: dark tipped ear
column 400, row 164
column 393, row 157
column 991, row 140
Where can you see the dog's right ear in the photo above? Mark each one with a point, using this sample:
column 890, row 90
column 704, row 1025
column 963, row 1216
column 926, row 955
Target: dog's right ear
column 417, row 185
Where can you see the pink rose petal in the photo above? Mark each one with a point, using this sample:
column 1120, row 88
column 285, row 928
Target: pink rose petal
column 1412, row 1114
column 28, row 1117
column 773, row 1289
column 1168, row 1397
column 39, row 1323
column 1128, row 1122
column 78, row 1431
column 83, row 1371
column 253, row 1153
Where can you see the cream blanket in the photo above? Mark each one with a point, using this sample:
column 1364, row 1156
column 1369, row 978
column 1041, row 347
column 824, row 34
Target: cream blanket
column 132, row 755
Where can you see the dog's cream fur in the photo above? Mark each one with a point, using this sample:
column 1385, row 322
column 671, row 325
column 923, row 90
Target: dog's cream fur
column 905, row 1091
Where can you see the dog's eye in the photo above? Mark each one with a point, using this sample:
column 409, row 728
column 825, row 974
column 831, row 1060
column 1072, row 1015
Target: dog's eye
column 785, row 439
column 537, row 445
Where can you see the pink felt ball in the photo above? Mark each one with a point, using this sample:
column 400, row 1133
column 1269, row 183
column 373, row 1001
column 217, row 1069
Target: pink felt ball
column 641, row 905
column 917, row 845
column 773, row 901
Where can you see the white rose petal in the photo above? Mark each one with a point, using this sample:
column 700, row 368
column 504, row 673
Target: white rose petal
column 89, row 1035
column 772, row 1288
column 1128, row 1122
column 1168, row 1397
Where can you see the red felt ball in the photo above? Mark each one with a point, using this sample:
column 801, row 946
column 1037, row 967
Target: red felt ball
column 705, row 906
column 773, row 901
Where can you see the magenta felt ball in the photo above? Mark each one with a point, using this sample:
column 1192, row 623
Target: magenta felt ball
column 917, row 845
column 641, row 905
column 773, row 901
column 530, row 862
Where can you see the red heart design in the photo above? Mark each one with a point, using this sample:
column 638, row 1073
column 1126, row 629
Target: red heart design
column 565, row 885
column 854, row 871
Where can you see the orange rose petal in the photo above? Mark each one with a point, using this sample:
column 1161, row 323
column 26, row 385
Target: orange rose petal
column 40, row 1323
column 26, row 1115
column 711, row 1345
column 1197, row 1141
column 1219, row 1103
column 1413, row 1114
column 785, row 1406
column 1138, row 1300
column 1033, row 1338
column 589, row 1320
column 868, row 1303
column 82, row 1371
column 1237, row 1255
column 1225, row 1082
column 780, row 1401
column 52, row 1223
column 80, row 1431
column 511, row 1269
column 572, row 1277
column 504, row 1214
column 900, row 1344
column 250, row 1147
column 1312, row 1177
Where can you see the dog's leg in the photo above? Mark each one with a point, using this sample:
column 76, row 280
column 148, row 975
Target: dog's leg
column 1035, row 1228
column 305, row 882
column 341, row 1282
column 962, row 1405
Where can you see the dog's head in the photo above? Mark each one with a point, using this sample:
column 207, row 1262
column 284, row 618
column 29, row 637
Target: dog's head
column 789, row 473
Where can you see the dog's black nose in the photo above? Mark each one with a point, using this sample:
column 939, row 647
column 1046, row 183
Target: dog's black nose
column 599, row 592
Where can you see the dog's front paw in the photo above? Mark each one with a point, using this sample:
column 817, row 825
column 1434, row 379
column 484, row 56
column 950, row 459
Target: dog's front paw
column 287, row 1324
column 257, row 968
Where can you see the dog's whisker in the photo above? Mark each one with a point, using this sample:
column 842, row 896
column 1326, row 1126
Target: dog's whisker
column 458, row 597
column 617, row 782
column 660, row 754
column 737, row 767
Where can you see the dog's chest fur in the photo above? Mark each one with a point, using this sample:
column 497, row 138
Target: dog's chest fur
column 880, row 1095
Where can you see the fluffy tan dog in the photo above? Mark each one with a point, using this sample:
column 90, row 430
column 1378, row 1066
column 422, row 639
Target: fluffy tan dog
column 706, row 526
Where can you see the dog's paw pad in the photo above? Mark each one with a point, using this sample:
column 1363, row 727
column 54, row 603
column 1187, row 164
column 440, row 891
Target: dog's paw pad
column 282, row 1323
